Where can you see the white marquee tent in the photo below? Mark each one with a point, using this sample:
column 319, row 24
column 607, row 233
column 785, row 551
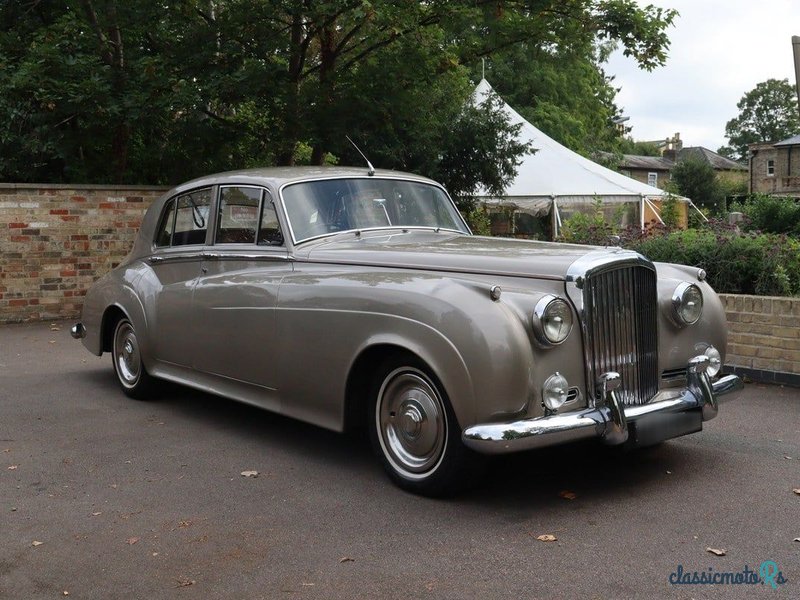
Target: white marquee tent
column 555, row 180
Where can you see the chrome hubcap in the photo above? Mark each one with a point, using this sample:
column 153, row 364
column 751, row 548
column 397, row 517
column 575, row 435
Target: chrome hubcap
column 126, row 354
column 412, row 422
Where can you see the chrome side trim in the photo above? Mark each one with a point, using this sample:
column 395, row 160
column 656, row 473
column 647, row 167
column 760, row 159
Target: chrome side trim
column 158, row 259
column 245, row 256
column 606, row 422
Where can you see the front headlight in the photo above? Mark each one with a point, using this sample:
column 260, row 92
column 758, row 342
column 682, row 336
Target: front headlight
column 687, row 304
column 552, row 320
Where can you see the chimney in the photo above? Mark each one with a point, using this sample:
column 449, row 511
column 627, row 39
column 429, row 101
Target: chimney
column 672, row 147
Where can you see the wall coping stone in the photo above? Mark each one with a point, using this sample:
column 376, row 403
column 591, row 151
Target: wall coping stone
column 80, row 186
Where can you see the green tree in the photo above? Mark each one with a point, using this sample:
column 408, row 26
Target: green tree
column 152, row 92
column 767, row 113
column 696, row 179
column 629, row 146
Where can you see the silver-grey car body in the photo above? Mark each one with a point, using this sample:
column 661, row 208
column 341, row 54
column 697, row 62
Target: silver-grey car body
column 347, row 298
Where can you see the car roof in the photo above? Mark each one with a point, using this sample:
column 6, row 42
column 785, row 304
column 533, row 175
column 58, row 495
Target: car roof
column 278, row 176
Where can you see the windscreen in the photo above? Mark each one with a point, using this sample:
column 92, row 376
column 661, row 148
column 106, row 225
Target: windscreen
column 317, row 208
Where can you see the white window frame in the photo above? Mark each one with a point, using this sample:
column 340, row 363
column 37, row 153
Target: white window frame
column 770, row 168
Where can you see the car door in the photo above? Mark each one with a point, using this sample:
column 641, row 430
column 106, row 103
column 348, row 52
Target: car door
column 176, row 262
column 236, row 294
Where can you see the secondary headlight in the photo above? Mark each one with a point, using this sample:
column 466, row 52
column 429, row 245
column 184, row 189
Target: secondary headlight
column 554, row 391
column 687, row 304
column 552, row 320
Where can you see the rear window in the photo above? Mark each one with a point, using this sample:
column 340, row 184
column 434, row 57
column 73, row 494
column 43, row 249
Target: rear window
column 185, row 220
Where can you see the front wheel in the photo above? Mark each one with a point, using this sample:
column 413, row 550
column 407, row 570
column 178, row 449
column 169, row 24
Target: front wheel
column 415, row 434
column 126, row 354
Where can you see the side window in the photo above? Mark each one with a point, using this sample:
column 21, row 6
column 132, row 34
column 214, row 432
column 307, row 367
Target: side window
column 238, row 215
column 652, row 179
column 191, row 219
column 164, row 236
column 269, row 233
column 770, row 168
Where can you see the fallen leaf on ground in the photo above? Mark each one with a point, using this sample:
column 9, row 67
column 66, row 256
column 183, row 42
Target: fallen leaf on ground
column 669, row 472
column 308, row 584
column 345, row 559
column 13, row 467
column 249, row 473
column 547, row 537
column 717, row 551
column 132, row 541
column 797, row 539
column 96, row 514
column 36, row 543
column 52, row 341
column 65, row 592
column 788, row 457
column 796, row 491
column 567, row 495
column 185, row 582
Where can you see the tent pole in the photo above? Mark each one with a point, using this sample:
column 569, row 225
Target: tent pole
column 698, row 210
column 641, row 212
column 655, row 210
column 556, row 219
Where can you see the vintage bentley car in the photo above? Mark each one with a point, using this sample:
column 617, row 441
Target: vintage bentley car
column 350, row 297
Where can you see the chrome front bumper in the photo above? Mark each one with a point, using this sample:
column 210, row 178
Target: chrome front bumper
column 667, row 413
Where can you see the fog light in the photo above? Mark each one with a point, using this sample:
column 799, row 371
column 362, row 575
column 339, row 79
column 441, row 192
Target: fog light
column 554, row 391
column 714, row 361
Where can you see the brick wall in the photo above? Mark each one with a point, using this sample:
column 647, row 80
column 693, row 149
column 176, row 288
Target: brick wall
column 56, row 240
column 764, row 337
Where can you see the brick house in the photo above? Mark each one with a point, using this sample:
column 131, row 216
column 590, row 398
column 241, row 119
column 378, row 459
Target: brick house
column 657, row 170
column 775, row 168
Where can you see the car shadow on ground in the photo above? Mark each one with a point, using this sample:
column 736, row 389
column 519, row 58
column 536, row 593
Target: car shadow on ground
column 526, row 480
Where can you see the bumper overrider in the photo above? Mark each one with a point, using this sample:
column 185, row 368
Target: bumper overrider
column 677, row 414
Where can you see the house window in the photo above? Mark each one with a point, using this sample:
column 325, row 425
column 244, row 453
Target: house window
column 770, row 168
column 652, row 179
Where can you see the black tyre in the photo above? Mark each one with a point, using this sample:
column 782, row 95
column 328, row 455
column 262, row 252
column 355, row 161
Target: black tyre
column 414, row 432
column 126, row 356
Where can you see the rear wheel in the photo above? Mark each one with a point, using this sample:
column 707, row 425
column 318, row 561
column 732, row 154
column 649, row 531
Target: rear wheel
column 414, row 431
column 126, row 354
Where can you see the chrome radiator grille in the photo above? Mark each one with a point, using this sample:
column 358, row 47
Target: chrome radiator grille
column 622, row 330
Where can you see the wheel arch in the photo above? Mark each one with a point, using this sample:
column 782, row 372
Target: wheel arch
column 450, row 373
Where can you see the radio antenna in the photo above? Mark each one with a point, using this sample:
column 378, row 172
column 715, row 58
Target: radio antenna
column 371, row 171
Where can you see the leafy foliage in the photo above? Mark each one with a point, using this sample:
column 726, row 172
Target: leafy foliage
column 770, row 214
column 767, row 113
column 738, row 263
column 629, row 146
column 697, row 180
column 152, row 92
column 735, row 261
